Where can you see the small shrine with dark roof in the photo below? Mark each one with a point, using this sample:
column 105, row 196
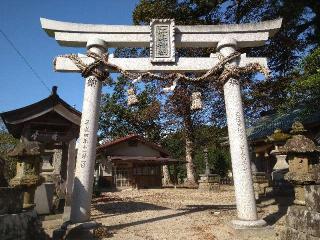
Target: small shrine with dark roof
column 49, row 120
column 54, row 125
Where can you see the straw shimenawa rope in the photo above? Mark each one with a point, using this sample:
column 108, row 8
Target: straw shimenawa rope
column 219, row 73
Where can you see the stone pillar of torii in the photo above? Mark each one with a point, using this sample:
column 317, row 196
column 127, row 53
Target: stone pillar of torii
column 162, row 36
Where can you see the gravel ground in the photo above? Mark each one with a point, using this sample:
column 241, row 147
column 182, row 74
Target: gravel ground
column 178, row 214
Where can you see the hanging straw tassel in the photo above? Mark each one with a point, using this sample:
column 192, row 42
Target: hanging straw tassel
column 132, row 98
column 196, row 102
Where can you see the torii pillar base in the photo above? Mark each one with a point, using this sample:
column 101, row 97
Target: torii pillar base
column 243, row 224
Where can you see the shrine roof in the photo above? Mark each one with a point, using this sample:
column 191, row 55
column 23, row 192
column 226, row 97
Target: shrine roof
column 266, row 125
column 15, row 119
column 142, row 159
column 131, row 137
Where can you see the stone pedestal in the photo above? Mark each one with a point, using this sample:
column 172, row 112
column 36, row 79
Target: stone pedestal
column 209, row 182
column 303, row 222
column 301, row 180
column 44, row 198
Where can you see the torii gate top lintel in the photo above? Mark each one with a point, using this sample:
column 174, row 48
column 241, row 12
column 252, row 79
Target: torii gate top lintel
column 80, row 35
column 77, row 35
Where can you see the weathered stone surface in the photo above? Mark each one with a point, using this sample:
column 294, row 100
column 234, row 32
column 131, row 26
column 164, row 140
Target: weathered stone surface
column 300, row 143
column 11, row 200
column 299, row 218
column 312, row 197
column 44, row 198
column 302, row 178
column 22, row 226
column 293, row 234
column 26, row 148
column 298, row 164
column 299, row 194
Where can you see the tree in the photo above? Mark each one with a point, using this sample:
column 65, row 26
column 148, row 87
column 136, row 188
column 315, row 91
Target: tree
column 299, row 34
column 7, row 143
column 304, row 92
column 205, row 136
column 118, row 120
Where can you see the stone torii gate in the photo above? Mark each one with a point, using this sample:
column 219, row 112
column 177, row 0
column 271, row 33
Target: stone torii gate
column 162, row 36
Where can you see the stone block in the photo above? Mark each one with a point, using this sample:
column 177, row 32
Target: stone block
column 22, row 226
column 208, row 186
column 299, row 218
column 312, row 197
column 301, row 178
column 298, row 164
column 299, row 195
column 44, row 198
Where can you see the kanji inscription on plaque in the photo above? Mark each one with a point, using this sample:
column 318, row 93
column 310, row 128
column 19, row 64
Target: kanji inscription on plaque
column 162, row 47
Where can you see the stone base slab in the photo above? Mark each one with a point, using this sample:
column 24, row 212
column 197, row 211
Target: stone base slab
column 208, row 186
column 245, row 224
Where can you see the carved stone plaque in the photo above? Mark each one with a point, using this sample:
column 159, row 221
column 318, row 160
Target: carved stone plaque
column 162, row 47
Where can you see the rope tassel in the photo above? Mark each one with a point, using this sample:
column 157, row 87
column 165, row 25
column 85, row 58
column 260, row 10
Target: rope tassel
column 132, row 98
column 196, row 102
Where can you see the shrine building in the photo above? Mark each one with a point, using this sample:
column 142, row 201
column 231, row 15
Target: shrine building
column 132, row 161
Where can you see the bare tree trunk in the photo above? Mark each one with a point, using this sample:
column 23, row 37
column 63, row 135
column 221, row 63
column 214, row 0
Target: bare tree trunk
column 166, row 175
column 191, row 174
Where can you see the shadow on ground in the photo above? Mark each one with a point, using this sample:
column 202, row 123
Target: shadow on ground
column 182, row 212
column 283, row 205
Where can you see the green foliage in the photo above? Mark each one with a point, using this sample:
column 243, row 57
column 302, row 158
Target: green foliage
column 304, row 92
column 205, row 136
column 218, row 158
column 7, row 142
column 118, row 120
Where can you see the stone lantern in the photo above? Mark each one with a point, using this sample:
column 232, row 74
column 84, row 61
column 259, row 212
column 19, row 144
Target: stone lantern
column 208, row 181
column 28, row 170
column 278, row 138
column 303, row 158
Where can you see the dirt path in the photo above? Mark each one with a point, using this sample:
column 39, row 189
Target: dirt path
column 177, row 214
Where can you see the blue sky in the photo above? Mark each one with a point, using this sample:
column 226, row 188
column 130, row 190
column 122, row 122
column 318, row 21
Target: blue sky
column 20, row 21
